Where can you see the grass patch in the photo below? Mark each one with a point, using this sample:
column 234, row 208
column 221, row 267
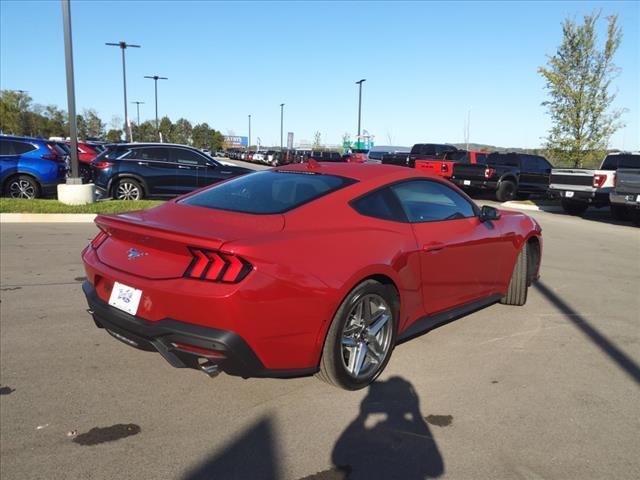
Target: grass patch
column 12, row 205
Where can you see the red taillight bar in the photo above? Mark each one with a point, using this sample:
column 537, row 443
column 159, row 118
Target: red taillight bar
column 488, row 172
column 217, row 267
column 599, row 179
column 101, row 164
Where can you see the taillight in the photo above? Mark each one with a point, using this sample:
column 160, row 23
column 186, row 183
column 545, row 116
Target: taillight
column 99, row 239
column 54, row 155
column 101, row 165
column 599, row 179
column 217, row 267
column 488, row 172
column 615, row 179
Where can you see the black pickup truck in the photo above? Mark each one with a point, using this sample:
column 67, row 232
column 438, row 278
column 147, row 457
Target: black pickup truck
column 420, row 151
column 509, row 175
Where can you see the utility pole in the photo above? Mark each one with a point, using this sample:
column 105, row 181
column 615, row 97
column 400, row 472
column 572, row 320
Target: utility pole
column 249, row 146
column 281, row 125
column 155, row 79
column 123, row 46
column 360, row 82
column 71, row 96
column 138, row 108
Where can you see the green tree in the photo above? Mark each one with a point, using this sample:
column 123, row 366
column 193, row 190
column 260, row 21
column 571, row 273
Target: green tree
column 165, row 127
column 578, row 78
column 94, row 125
column 181, row 132
column 114, row 136
column 14, row 107
column 145, row 132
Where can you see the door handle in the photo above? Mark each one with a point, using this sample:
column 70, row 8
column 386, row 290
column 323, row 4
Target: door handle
column 182, row 166
column 433, row 247
column 143, row 163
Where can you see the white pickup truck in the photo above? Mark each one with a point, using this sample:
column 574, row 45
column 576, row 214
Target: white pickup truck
column 581, row 188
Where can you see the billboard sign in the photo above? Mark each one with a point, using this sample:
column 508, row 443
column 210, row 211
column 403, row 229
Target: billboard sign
column 234, row 141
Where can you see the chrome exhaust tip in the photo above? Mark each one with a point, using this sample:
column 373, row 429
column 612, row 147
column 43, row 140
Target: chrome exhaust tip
column 210, row 369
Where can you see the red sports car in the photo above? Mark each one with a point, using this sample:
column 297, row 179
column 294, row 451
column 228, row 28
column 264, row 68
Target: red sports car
column 309, row 268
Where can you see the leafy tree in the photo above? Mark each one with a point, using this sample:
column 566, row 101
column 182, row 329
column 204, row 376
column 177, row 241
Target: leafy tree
column 317, row 139
column 94, row 125
column 578, row 78
column 145, row 132
column 181, row 132
column 13, row 106
column 114, row 136
column 165, row 127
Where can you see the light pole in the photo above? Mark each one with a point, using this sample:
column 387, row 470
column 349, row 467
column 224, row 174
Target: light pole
column 123, row 46
column 155, row 79
column 281, row 124
column 360, row 105
column 138, row 109
column 71, row 96
column 249, row 146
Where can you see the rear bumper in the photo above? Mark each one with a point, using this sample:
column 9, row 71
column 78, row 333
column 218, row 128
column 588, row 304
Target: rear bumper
column 592, row 197
column 481, row 184
column 630, row 199
column 169, row 337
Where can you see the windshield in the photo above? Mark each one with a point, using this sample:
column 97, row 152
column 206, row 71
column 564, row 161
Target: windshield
column 268, row 192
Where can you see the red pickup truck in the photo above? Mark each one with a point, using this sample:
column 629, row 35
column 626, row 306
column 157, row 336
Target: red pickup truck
column 443, row 164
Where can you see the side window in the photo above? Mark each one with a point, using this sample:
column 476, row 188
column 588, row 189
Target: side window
column 543, row 165
column 610, row 162
column 381, row 204
column 429, row 201
column 628, row 161
column 6, row 147
column 529, row 163
column 481, row 158
column 22, row 147
column 182, row 156
column 157, row 154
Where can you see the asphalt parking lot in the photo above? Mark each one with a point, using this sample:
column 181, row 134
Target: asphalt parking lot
column 549, row 390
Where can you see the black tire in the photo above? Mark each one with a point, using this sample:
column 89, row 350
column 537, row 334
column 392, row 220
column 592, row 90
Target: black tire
column 332, row 364
column 506, row 191
column 574, row 208
column 519, row 284
column 635, row 216
column 22, row 186
column 620, row 212
column 85, row 172
column 128, row 189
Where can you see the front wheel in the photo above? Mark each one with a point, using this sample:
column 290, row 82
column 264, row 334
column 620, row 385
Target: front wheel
column 519, row 284
column 361, row 337
column 128, row 189
column 506, row 191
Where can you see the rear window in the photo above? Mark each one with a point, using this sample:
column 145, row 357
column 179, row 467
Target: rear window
column 502, row 159
column 268, row 192
column 623, row 160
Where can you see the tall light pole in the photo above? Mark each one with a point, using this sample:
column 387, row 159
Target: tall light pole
column 360, row 105
column 123, row 46
column 71, row 96
column 249, row 146
column 138, row 109
column 155, row 79
column 281, row 124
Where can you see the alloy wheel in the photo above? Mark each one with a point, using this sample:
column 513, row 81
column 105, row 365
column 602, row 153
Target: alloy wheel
column 366, row 336
column 22, row 189
column 128, row 191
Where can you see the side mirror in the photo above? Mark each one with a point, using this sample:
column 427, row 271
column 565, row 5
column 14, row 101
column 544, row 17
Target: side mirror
column 488, row 214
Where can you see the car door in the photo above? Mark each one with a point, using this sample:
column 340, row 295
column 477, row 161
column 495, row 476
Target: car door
column 8, row 158
column 155, row 167
column 214, row 172
column 190, row 166
column 459, row 255
column 542, row 173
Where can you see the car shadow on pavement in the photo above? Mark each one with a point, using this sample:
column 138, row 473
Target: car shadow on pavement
column 614, row 353
column 388, row 439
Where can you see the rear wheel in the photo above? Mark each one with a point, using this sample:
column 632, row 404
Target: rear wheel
column 361, row 337
column 620, row 212
column 128, row 189
column 519, row 284
column 506, row 191
column 22, row 186
column 574, row 208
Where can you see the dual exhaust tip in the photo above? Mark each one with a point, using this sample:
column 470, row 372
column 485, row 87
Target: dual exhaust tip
column 210, row 369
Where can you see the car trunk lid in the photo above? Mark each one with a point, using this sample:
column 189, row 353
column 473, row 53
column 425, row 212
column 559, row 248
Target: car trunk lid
column 156, row 243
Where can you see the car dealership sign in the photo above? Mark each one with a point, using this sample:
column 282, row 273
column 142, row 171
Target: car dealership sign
column 234, row 141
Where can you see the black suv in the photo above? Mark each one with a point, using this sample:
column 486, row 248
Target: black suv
column 507, row 174
column 136, row 170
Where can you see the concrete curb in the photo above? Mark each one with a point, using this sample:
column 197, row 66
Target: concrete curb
column 47, row 217
column 535, row 208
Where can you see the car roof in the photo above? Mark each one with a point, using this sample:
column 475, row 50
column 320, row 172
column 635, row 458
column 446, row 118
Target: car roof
column 363, row 172
column 24, row 139
column 149, row 144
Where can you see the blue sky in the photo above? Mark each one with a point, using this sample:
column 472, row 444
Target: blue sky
column 426, row 64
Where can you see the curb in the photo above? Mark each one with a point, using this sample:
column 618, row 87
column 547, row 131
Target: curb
column 535, row 208
column 47, row 217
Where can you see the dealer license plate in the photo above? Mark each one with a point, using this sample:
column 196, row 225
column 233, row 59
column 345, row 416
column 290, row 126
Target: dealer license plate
column 125, row 298
column 466, row 182
column 568, row 194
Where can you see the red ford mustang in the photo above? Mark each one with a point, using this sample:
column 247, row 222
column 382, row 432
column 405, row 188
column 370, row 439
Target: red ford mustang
column 313, row 268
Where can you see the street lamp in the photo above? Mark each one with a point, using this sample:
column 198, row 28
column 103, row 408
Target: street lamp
column 249, row 146
column 123, row 46
column 281, row 124
column 138, row 108
column 71, row 95
column 155, row 79
column 360, row 104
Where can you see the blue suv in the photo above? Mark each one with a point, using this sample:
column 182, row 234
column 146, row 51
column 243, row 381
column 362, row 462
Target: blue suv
column 30, row 167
